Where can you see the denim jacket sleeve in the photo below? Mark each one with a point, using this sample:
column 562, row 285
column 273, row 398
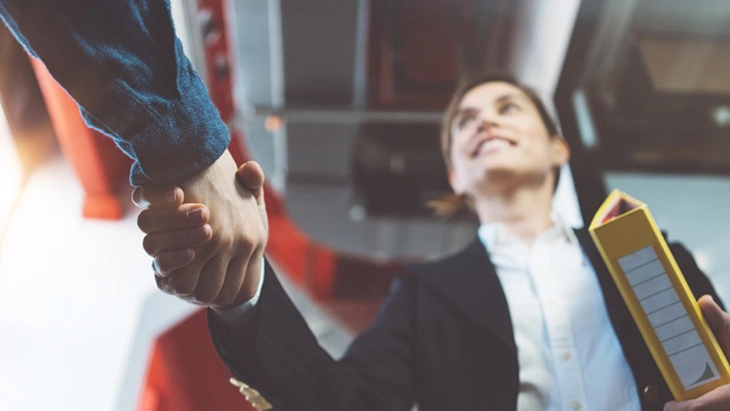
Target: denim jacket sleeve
column 123, row 64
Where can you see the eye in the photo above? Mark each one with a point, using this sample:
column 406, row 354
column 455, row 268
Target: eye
column 507, row 108
column 465, row 120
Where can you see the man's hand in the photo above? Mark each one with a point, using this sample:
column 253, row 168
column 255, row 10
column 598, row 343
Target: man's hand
column 719, row 398
column 208, row 255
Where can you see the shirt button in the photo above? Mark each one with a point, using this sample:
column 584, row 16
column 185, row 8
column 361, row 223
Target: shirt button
column 575, row 405
column 651, row 394
column 565, row 355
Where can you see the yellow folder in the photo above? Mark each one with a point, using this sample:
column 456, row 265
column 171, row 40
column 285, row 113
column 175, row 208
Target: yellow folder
column 658, row 297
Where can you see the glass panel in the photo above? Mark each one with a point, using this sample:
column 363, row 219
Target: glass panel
column 655, row 91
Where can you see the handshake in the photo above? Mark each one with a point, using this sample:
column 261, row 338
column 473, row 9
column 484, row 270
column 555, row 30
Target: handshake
column 208, row 236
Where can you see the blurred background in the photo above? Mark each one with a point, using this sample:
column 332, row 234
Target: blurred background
column 341, row 102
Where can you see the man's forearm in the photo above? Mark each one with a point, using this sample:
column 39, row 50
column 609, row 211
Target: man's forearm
column 123, row 64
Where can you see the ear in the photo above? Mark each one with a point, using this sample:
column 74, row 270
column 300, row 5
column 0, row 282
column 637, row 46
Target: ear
column 560, row 151
column 454, row 181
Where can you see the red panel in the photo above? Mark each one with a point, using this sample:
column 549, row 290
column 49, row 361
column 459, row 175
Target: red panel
column 98, row 163
column 218, row 57
column 184, row 373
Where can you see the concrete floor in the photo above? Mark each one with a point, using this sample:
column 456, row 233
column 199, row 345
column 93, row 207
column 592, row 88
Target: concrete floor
column 72, row 290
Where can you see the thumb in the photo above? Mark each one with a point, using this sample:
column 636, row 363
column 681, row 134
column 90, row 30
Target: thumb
column 718, row 320
column 251, row 176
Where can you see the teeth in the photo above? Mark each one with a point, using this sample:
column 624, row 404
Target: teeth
column 493, row 144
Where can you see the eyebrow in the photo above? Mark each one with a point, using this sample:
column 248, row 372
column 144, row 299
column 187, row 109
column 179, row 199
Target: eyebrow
column 463, row 111
column 501, row 99
column 511, row 96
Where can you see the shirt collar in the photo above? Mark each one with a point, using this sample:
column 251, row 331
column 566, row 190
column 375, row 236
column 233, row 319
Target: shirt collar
column 494, row 235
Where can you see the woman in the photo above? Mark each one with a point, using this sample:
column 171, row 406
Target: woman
column 525, row 318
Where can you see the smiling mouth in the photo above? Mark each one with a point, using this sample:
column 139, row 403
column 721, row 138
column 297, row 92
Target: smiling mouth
column 491, row 144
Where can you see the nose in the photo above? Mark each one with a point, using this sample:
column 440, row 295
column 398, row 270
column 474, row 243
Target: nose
column 486, row 122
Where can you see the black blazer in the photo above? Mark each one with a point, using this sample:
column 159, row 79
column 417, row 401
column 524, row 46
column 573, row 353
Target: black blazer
column 443, row 339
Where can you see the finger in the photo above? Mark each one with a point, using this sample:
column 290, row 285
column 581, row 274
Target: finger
column 157, row 220
column 253, row 276
column 149, row 197
column 718, row 320
column 162, row 284
column 678, row 406
column 251, row 176
column 211, row 281
column 168, row 261
column 165, row 285
column 235, row 276
column 183, row 282
column 156, row 243
column 715, row 400
column 674, row 406
column 713, row 313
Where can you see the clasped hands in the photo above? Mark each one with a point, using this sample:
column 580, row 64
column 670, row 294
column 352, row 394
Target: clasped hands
column 208, row 236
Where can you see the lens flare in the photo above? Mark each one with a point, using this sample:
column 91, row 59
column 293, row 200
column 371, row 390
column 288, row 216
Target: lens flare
column 11, row 174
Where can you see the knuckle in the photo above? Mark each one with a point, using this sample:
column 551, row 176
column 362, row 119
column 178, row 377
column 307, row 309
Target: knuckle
column 226, row 296
column 149, row 244
column 182, row 285
column 182, row 289
column 143, row 222
column 208, row 232
column 165, row 266
column 203, row 298
column 226, row 300
column 247, row 244
column 162, row 284
column 198, row 235
column 228, row 244
column 192, row 301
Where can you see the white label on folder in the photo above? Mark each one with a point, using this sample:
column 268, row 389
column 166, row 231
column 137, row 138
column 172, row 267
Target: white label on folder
column 668, row 318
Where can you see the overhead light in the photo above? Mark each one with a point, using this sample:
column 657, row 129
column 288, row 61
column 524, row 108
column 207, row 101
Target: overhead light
column 11, row 173
column 721, row 116
column 273, row 123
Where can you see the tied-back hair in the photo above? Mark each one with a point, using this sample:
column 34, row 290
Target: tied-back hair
column 451, row 204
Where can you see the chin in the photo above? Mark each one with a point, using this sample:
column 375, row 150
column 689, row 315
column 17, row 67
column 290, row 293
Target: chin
column 494, row 178
column 498, row 173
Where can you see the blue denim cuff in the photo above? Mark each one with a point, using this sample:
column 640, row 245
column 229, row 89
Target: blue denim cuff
column 123, row 64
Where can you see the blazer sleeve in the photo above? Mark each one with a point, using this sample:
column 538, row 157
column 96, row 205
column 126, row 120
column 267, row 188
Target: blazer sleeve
column 287, row 366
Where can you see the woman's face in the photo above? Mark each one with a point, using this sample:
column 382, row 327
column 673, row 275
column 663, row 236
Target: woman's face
column 499, row 141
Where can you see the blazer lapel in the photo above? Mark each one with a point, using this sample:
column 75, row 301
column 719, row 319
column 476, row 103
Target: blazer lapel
column 470, row 282
column 617, row 310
